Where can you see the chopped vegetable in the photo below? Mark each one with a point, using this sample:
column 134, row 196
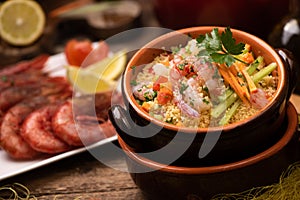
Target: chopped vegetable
column 164, row 95
column 156, row 84
column 149, row 94
column 247, row 57
column 227, row 93
column 251, row 84
column 146, row 106
column 264, row 72
column 256, row 64
column 225, row 119
column 220, row 108
column 231, row 79
column 238, row 73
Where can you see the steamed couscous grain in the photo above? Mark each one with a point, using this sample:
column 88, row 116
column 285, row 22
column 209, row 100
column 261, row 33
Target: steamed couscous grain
column 184, row 87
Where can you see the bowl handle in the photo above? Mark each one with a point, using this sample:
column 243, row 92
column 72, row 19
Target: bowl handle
column 122, row 122
column 291, row 66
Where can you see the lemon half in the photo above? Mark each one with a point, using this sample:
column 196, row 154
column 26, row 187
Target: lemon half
column 22, row 22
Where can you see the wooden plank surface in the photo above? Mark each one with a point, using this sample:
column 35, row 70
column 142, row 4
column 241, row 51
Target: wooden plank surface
column 79, row 177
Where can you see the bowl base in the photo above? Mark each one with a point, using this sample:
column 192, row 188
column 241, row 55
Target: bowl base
column 175, row 182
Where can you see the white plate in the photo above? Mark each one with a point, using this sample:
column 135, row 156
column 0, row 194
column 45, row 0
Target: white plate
column 10, row 167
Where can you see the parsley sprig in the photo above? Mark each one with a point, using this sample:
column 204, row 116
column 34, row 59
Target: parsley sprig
column 221, row 48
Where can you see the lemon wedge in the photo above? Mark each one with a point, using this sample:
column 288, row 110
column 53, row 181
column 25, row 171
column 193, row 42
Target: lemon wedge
column 110, row 67
column 88, row 82
column 98, row 77
column 22, row 22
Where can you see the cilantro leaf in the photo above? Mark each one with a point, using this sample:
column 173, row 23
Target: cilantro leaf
column 200, row 38
column 213, row 41
column 222, row 58
column 229, row 43
column 221, row 47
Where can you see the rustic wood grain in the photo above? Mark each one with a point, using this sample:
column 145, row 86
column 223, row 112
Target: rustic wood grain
column 79, row 177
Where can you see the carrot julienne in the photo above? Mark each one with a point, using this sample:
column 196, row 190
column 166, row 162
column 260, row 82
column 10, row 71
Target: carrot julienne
column 233, row 82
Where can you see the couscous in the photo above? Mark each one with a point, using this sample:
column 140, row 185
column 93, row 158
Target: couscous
column 193, row 86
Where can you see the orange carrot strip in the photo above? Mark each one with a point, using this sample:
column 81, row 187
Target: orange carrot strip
column 251, row 84
column 230, row 78
column 239, row 67
column 233, row 69
column 248, row 57
column 239, row 89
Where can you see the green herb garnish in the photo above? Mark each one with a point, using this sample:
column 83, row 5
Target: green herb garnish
column 206, row 101
column 182, row 88
column 181, row 66
column 133, row 69
column 133, row 83
column 149, row 96
column 221, row 48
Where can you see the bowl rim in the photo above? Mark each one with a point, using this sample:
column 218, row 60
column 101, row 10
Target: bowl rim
column 292, row 118
column 129, row 97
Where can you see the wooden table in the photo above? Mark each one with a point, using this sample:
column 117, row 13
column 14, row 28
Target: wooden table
column 80, row 176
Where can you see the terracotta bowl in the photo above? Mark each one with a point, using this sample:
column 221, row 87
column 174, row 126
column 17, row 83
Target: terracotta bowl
column 158, row 181
column 204, row 146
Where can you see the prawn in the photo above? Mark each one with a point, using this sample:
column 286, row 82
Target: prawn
column 15, row 94
column 32, row 76
column 37, row 131
column 103, row 102
column 259, row 99
column 82, row 105
column 36, row 63
column 11, row 96
column 196, row 97
column 180, row 97
column 10, row 139
column 81, row 129
column 94, row 129
column 211, row 76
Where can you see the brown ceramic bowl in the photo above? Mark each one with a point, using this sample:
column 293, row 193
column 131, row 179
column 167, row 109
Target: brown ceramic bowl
column 158, row 181
column 244, row 138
